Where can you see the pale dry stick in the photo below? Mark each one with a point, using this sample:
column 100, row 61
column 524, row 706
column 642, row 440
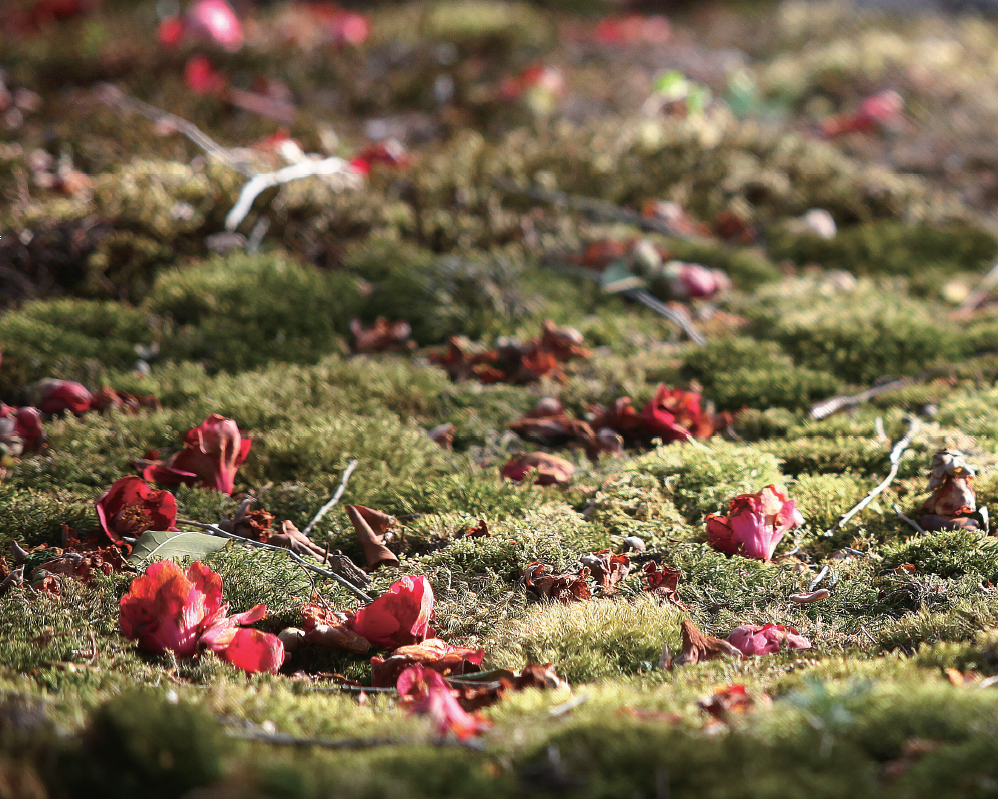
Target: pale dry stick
column 284, row 739
column 978, row 295
column 640, row 295
column 112, row 94
column 908, row 520
column 333, row 499
column 265, row 180
column 215, row 530
column 896, row 453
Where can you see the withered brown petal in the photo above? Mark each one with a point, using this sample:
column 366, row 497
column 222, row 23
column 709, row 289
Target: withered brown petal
column 699, row 648
column 371, row 526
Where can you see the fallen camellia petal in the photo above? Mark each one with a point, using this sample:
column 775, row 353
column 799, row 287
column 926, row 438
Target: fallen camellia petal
column 551, row 470
column 21, row 429
column 430, row 654
column 202, row 77
column 371, row 526
column 755, row 524
column 699, row 648
column 424, row 691
column 675, row 415
column 131, row 506
column 765, row 639
column 254, row 650
column 215, row 21
column 167, row 609
column 212, row 453
column 398, row 617
column 54, row 396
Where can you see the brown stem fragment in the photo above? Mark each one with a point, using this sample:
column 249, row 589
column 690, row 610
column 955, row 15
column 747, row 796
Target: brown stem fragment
column 371, row 526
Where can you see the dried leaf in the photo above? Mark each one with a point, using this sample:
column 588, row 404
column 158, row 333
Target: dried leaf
column 607, row 569
column 562, row 587
column 326, row 628
column 371, row 526
column 699, row 648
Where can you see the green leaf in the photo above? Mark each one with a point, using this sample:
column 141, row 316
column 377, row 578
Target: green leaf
column 617, row 276
column 163, row 544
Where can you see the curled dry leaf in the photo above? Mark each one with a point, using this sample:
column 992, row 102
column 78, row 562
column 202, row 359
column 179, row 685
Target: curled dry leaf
column 732, row 699
column 511, row 361
column 294, row 539
column 662, row 582
column 383, row 336
column 563, row 587
column 330, row 629
column 811, row 596
column 443, row 435
column 953, row 503
column 551, row 470
column 430, row 654
column 607, row 569
column 699, row 648
column 475, row 695
column 371, row 526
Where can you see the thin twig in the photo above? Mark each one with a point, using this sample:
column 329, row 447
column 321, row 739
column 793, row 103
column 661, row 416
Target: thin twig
column 113, row 95
column 258, row 183
column 216, row 530
column 680, row 319
column 817, row 580
column 333, row 499
column 638, row 295
column 908, row 520
column 285, row 739
column 896, row 453
column 978, row 295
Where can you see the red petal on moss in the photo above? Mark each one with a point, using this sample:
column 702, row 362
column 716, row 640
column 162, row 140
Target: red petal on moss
column 130, row 507
column 399, row 617
column 255, row 650
column 163, row 610
column 430, row 654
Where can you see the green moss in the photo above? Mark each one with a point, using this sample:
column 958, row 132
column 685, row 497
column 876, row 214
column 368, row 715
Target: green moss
column 243, row 311
column 703, row 477
column 927, row 255
column 590, row 640
column 73, row 339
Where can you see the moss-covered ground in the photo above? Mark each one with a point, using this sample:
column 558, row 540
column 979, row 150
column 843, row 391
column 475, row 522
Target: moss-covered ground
column 894, row 698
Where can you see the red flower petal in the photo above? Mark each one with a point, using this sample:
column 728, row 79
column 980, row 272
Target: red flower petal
column 255, row 650
column 399, row 617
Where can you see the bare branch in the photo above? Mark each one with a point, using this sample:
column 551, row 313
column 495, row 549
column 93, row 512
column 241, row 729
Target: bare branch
column 332, row 500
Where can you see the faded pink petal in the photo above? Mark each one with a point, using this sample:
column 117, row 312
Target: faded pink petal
column 766, row 639
column 215, row 21
column 755, row 524
column 428, row 693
